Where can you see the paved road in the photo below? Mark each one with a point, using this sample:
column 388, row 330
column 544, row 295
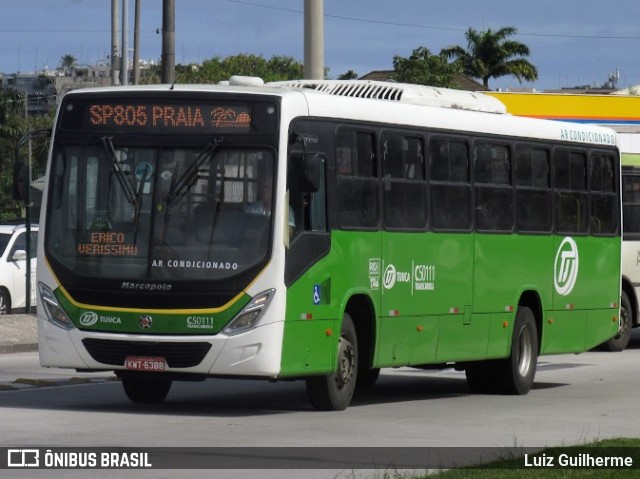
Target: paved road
column 576, row 398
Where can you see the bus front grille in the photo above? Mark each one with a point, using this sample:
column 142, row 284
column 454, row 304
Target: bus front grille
column 177, row 355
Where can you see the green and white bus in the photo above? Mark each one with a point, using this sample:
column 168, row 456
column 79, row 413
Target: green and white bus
column 322, row 230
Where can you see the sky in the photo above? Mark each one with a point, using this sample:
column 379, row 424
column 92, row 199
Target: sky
column 571, row 42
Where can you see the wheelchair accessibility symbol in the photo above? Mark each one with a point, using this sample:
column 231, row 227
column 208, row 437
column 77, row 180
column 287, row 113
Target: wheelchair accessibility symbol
column 317, row 294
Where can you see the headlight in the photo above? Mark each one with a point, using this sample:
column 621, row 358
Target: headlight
column 54, row 312
column 249, row 316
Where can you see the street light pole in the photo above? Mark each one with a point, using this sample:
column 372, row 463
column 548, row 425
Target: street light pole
column 115, row 63
column 124, row 73
column 168, row 41
column 136, row 44
column 313, row 39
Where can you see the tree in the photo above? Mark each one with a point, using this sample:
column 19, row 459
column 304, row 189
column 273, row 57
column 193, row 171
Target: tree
column 490, row 54
column 217, row 69
column 348, row 75
column 423, row 68
column 13, row 125
column 10, row 103
column 67, row 63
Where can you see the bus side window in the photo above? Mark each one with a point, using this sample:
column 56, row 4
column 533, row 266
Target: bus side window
column 450, row 187
column 533, row 193
column 602, row 194
column 631, row 200
column 493, row 193
column 405, row 196
column 358, row 187
column 570, row 197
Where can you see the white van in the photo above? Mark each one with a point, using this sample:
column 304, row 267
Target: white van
column 13, row 267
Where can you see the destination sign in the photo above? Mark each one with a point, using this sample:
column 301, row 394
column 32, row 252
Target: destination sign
column 107, row 244
column 167, row 116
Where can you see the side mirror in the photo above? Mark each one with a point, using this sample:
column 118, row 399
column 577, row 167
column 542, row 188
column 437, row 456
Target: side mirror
column 19, row 255
column 313, row 166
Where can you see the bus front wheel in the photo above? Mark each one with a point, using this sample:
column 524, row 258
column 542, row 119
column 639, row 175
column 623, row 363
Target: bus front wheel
column 145, row 388
column 335, row 391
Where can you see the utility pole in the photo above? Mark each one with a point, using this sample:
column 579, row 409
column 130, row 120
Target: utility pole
column 124, row 72
column 136, row 44
column 115, row 59
column 168, row 41
column 313, row 39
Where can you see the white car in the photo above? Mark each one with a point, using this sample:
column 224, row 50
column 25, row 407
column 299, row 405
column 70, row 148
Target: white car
column 13, row 267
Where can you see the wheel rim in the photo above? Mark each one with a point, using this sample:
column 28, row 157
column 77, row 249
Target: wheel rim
column 526, row 352
column 346, row 363
column 623, row 322
column 3, row 305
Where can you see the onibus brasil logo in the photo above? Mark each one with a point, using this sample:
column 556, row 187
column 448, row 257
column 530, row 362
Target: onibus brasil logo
column 565, row 268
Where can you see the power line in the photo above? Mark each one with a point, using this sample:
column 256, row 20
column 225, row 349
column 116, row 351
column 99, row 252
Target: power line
column 434, row 27
column 61, row 30
column 337, row 17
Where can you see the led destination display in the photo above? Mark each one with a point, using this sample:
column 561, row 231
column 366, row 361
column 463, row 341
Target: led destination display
column 167, row 117
column 163, row 116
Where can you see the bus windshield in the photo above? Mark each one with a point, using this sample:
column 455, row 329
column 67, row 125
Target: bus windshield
column 157, row 213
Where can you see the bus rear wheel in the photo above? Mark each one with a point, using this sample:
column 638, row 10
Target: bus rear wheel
column 335, row 391
column 620, row 341
column 516, row 373
column 145, row 388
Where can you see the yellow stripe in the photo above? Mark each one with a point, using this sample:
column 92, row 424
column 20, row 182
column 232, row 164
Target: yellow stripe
column 568, row 106
column 150, row 310
column 146, row 310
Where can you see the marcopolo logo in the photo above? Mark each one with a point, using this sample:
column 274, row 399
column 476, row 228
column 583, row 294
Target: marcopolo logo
column 88, row 318
column 565, row 267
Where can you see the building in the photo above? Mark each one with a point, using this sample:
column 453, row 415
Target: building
column 39, row 91
column 43, row 89
column 461, row 82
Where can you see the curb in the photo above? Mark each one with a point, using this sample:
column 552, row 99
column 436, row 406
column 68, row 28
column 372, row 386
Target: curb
column 18, row 333
column 6, row 348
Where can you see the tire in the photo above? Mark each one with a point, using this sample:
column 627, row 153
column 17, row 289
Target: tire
column 516, row 373
column 620, row 341
column 146, row 388
column 334, row 391
column 5, row 302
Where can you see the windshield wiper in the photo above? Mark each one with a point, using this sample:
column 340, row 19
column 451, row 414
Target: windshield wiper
column 181, row 185
column 132, row 196
column 129, row 193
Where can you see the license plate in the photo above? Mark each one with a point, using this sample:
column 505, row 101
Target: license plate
column 145, row 363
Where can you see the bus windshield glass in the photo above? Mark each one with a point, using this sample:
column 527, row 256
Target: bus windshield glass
column 156, row 213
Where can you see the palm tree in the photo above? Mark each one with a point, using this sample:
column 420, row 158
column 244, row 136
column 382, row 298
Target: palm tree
column 490, row 54
column 67, row 63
